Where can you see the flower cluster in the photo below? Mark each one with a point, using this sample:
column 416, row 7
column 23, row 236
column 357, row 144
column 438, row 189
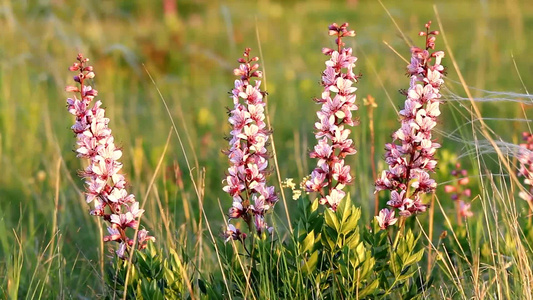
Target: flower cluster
column 525, row 157
column 458, row 191
column 338, row 101
column 106, row 187
column 411, row 154
column 246, row 178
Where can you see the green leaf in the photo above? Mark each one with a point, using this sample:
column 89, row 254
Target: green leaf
column 410, row 240
column 310, row 265
column 395, row 264
column 368, row 265
column 169, row 275
column 330, row 240
column 372, row 288
column 331, row 219
column 407, row 275
column 360, row 254
column 142, row 263
column 150, row 290
column 384, row 281
column 175, row 260
column 414, row 258
column 202, row 286
column 348, row 226
column 344, row 208
column 314, row 205
column 300, row 230
column 308, row 242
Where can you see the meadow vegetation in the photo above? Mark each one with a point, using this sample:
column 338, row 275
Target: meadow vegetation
column 165, row 76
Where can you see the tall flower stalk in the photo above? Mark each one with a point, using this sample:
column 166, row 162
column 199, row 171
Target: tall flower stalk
column 410, row 156
column 459, row 193
column 331, row 174
column 105, row 185
column 248, row 156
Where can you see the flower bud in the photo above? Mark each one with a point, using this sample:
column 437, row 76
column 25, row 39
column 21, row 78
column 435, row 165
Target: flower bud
column 327, row 51
column 74, row 67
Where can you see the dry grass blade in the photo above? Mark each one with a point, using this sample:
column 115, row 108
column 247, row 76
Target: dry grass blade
column 145, row 198
column 195, row 185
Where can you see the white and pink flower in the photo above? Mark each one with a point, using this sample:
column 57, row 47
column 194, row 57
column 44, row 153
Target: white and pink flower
column 337, row 100
column 246, row 178
column 410, row 156
column 105, row 186
column 386, row 218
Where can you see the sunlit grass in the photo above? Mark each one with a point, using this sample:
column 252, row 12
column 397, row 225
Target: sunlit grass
column 50, row 245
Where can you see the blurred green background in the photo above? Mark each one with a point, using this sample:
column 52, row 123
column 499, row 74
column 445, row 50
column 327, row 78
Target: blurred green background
column 190, row 49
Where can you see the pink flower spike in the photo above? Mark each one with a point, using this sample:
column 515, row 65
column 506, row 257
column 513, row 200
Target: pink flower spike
column 459, row 192
column 105, row 186
column 248, row 155
column 335, row 116
column 410, row 156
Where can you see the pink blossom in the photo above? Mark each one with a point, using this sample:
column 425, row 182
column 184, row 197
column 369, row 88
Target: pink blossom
column 124, row 220
column 341, row 173
column 323, row 150
column 384, row 183
column 143, row 238
column 105, row 186
column 114, row 234
column 233, row 233
column 237, row 210
column 422, row 181
column 411, row 154
column 331, row 174
column 386, row 218
column 334, row 198
column 260, row 224
column 464, row 209
column 449, row 188
column 317, row 181
column 121, row 251
column 234, row 187
column 397, row 200
column 135, row 210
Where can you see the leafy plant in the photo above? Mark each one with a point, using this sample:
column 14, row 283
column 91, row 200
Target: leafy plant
column 151, row 276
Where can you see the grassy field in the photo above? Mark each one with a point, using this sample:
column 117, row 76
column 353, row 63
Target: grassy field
column 50, row 246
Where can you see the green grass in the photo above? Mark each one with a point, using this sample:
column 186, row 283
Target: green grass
column 50, row 246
